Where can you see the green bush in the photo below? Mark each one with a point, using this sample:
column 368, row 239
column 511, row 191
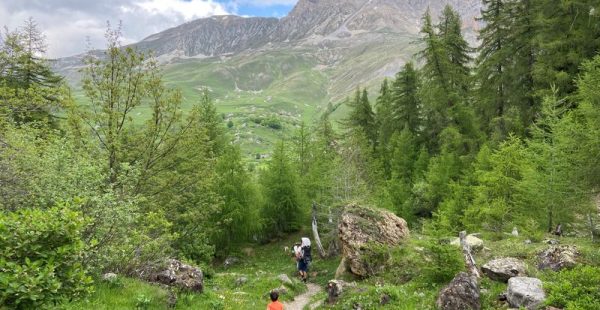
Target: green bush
column 444, row 261
column 376, row 257
column 575, row 289
column 41, row 258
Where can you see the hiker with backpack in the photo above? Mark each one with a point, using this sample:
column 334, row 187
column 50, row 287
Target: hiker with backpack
column 305, row 259
column 297, row 254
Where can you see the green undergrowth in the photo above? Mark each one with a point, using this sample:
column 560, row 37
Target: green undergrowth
column 260, row 265
column 411, row 277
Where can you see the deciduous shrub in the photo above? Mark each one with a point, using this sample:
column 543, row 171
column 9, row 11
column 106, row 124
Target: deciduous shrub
column 41, row 258
column 575, row 289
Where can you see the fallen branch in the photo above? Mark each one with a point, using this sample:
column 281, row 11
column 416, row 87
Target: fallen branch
column 315, row 230
column 469, row 260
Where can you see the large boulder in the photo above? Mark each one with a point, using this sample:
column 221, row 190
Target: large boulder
column 472, row 240
column 461, row 294
column 502, row 269
column 180, row 275
column 525, row 292
column 361, row 226
column 558, row 257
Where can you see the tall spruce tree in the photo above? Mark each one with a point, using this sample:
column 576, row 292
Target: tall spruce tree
column 405, row 100
column 283, row 212
column 29, row 89
column 446, row 73
column 493, row 65
column 362, row 118
column 568, row 33
column 456, row 48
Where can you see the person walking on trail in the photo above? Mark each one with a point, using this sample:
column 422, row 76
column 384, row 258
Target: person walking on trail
column 298, row 256
column 305, row 259
column 275, row 304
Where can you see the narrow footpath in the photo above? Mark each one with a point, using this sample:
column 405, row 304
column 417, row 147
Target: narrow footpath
column 304, row 299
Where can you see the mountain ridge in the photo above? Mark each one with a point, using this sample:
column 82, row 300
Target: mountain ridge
column 230, row 34
column 293, row 68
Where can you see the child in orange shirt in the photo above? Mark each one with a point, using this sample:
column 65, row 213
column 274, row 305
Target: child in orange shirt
column 275, row 304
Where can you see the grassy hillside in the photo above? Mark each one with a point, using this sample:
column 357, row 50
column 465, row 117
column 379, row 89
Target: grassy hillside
column 285, row 85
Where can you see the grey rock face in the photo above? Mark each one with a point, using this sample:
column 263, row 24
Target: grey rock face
column 502, row 269
column 461, row 294
column 334, row 19
column 211, row 36
column 525, row 292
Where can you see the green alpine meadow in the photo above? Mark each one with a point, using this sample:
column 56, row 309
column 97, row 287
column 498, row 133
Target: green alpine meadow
column 300, row 154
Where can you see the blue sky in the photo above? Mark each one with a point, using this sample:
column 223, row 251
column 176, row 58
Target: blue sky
column 273, row 8
column 70, row 24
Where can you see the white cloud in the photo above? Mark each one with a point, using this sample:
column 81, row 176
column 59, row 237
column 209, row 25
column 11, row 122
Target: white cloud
column 188, row 9
column 267, row 2
column 67, row 23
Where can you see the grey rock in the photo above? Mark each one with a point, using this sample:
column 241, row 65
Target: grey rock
column 230, row 261
column 474, row 242
column 282, row 290
column 528, row 241
column 109, row 277
column 385, row 299
column 558, row 257
column 461, row 294
column 241, row 281
column 177, row 274
column 285, row 279
column 551, row 241
column 502, row 269
column 525, row 292
column 335, row 288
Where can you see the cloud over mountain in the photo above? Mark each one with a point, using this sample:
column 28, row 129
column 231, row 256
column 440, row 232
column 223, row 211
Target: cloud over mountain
column 68, row 23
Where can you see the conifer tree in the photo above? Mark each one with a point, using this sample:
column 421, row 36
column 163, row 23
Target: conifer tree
column 456, row 48
column 568, row 33
column 550, row 189
column 29, row 89
column 238, row 216
column 283, row 211
column 446, row 73
column 384, row 118
column 362, row 119
column 405, row 100
column 493, row 65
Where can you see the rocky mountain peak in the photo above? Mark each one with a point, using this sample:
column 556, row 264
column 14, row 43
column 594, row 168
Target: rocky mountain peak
column 216, row 35
column 228, row 34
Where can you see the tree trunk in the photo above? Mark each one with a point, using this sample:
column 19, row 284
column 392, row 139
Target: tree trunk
column 469, row 260
column 315, row 230
column 592, row 228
